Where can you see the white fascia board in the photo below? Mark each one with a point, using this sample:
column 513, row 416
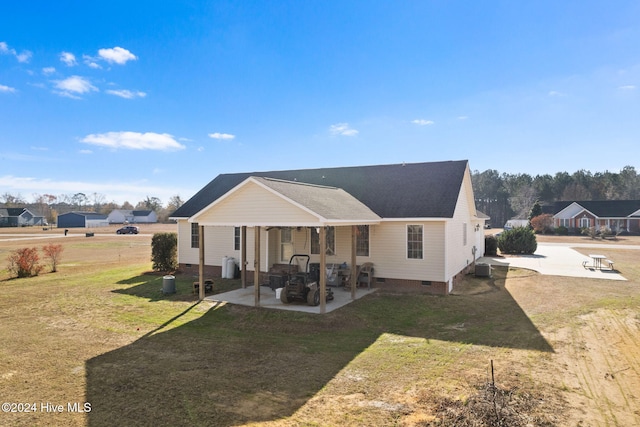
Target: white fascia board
column 327, row 223
column 585, row 210
column 415, row 219
column 194, row 218
column 288, row 200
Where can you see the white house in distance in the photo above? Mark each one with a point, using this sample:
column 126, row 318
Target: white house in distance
column 417, row 223
column 123, row 216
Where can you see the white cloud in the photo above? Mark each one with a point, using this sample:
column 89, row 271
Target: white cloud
column 73, row 86
column 127, row 94
column 627, row 87
column 342, row 129
column 463, row 117
column 23, row 56
column 117, row 54
column 134, row 141
column 7, row 89
column 48, row 70
column 422, row 122
column 68, row 58
column 223, row 136
column 556, row 93
column 90, row 61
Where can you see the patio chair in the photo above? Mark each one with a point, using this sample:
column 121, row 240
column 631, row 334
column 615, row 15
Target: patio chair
column 365, row 274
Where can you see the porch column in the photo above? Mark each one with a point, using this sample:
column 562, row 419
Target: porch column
column 201, row 262
column 323, row 270
column 354, row 267
column 243, row 255
column 256, row 267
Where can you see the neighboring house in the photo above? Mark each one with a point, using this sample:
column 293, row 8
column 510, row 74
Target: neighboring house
column 123, row 216
column 616, row 215
column 82, row 220
column 416, row 223
column 19, row 217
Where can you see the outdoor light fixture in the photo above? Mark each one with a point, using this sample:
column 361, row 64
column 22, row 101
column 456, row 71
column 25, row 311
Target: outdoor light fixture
column 477, row 227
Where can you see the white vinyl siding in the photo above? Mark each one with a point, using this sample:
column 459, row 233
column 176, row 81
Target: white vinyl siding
column 239, row 208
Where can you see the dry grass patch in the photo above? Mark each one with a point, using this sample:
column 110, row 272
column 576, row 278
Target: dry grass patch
column 101, row 331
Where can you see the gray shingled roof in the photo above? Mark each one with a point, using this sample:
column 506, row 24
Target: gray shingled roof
column 412, row 190
column 331, row 203
column 603, row 208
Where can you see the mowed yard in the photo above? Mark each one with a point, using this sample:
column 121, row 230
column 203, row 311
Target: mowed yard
column 565, row 351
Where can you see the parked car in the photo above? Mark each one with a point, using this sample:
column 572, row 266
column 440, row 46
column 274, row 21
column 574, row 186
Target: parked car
column 129, row 229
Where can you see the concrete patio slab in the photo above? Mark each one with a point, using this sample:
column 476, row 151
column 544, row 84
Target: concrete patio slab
column 341, row 297
column 556, row 260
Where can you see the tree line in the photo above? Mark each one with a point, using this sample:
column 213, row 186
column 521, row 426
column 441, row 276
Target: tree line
column 50, row 206
column 506, row 196
column 502, row 196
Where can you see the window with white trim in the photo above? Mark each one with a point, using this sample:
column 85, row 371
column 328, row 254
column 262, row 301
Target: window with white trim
column 195, row 235
column 585, row 222
column 362, row 240
column 236, row 238
column 415, row 240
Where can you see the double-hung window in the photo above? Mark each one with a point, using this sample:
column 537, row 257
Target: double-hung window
column 415, row 241
column 195, row 235
column 362, row 240
column 236, row 238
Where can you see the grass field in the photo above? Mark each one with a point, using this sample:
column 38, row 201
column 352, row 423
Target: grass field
column 565, row 351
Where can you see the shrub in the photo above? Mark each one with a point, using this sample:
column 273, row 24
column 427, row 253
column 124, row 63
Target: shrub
column 164, row 249
column 542, row 224
column 562, row 231
column 53, row 253
column 519, row 240
column 490, row 245
column 24, row 262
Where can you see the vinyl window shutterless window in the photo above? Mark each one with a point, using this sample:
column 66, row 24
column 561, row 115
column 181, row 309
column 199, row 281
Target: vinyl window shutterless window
column 236, row 238
column 415, row 241
column 195, row 235
column 362, row 240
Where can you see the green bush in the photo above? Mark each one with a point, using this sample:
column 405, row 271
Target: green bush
column 490, row 245
column 164, row 250
column 519, row 240
column 562, row 231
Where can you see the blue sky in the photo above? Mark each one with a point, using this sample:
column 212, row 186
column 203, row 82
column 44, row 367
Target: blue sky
column 147, row 98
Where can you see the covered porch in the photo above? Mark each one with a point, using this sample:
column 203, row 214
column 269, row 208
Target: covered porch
column 246, row 297
column 264, row 204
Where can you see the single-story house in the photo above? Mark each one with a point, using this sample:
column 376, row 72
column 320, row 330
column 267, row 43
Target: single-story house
column 615, row 215
column 123, row 216
column 19, row 217
column 82, row 220
column 417, row 223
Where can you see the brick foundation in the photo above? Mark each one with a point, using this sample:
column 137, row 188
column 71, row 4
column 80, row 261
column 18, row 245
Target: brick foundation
column 395, row 285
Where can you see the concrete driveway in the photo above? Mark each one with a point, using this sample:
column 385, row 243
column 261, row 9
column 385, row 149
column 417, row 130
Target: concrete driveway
column 559, row 259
